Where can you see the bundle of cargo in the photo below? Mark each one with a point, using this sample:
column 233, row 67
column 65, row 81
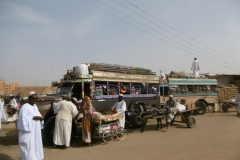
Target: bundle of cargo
column 174, row 74
column 119, row 68
column 227, row 92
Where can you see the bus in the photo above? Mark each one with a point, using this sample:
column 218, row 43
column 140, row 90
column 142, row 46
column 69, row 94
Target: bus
column 191, row 92
column 103, row 83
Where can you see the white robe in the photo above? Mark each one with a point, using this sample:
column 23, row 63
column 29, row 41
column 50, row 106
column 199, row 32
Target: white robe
column 30, row 137
column 2, row 115
column 63, row 122
column 14, row 104
column 237, row 100
column 195, row 68
column 2, row 101
column 121, row 107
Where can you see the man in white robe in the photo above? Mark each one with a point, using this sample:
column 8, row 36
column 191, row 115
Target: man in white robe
column 237, row 101
column 63, row 123
column 2, row 115
column 13, row 104
column 120, row 107
column 171, row 108
column 195, row 68
column 30, row 123
column 2, row 101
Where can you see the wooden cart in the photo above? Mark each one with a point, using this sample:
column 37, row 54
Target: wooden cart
column 185, row 118
column 227, row 103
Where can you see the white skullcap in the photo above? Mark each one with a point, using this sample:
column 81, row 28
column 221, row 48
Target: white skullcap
column 121, row 95
column 10, row 95
column 31, row 93
column 80, row 101
column 170, row 95
column 74, row 99
column 25, row 98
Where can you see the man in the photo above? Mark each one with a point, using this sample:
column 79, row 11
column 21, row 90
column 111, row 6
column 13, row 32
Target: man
column 2, row 115
column 86, row 121
column 30, row 123
column 2, row 101
column 170, row 105
column 63, row 123
column 195, row 68
column 12, row 109
column 237, row 101
column 120, row 107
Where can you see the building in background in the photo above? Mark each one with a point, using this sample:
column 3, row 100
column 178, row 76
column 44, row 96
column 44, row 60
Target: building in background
column 22, row 91
column 7, row 89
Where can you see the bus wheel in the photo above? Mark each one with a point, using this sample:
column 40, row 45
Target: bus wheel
column 201, row 107
column 136, row 121
column 225, row 107
column 191, row 122
column 48, row 130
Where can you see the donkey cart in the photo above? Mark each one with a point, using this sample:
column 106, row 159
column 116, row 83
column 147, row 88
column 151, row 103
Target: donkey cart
column 145, row 112
column 185, row 118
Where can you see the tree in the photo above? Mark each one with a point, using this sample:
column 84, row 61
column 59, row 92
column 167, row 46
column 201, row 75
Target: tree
column 55, row 83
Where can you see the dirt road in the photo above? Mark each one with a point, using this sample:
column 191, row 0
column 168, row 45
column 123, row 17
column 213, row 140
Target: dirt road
column 215, row 137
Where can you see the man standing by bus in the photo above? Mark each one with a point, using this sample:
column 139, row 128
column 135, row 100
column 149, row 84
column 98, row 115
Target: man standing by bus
column 120, row 107
column 170, row 106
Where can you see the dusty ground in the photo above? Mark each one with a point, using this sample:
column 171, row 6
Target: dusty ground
column 216, row 136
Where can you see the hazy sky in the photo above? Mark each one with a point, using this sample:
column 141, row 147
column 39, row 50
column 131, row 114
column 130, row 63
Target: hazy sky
column 41, row 39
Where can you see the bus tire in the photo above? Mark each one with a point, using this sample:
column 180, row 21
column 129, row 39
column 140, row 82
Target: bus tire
column 202, row 107
column 225, row 107
column 136, row 121
column 48, row 131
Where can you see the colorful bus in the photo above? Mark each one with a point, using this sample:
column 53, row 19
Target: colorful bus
column 103, row 83
column 194, row 92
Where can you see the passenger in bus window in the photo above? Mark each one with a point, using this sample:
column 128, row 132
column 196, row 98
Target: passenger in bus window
column 133, row 90
column 123, row 89
column 113, row 90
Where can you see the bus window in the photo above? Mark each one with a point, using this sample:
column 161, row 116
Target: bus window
column 152, row 88
column 173, row 89
column 124, row 88
column 113, row 88
column 135, row 88
column 200, row 88
column 100, row 88
column 213, row 89
column 183, row 89
column 190, row 88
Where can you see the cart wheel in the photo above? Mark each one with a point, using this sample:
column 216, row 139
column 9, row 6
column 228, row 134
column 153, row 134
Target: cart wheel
column 107, row 136
column 120, row 134
column 191, row 122
column 225, row 107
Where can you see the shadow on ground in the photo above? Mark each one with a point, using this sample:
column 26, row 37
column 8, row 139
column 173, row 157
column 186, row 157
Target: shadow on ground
column 10, row 137
column 5, row 157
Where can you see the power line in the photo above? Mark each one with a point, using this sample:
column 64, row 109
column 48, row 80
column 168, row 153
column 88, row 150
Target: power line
column 178, row 31
column 223, row 60
column 156, row 30
column 153, row 35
